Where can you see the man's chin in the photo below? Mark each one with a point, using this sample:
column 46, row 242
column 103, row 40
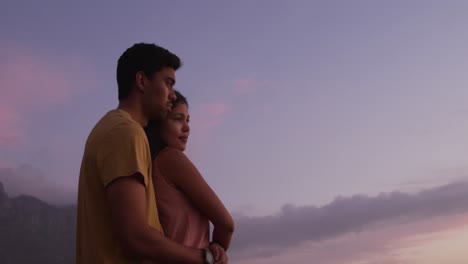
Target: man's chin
column 161, row 115
column 156, row 115
column 165, row 114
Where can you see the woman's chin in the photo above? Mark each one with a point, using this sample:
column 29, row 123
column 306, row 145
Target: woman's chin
column 178, row 147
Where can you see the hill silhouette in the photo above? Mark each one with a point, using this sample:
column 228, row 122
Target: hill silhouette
column 32, row 231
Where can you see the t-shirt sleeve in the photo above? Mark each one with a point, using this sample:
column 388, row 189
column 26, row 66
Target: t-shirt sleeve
column 124, row 152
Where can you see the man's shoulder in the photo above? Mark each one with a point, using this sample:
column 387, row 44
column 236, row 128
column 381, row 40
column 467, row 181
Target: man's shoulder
column 115, row 123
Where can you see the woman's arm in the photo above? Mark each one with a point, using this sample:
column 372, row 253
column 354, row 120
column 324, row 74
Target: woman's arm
column 177, row 168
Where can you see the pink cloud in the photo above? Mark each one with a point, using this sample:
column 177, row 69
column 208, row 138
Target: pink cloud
column 6, row 164
column 209, row 115
column 10, row 132
column 244, row 86
column 30, row 82
column 204, row 119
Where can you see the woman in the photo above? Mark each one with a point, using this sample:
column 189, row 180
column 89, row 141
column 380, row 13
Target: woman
column 186, row 203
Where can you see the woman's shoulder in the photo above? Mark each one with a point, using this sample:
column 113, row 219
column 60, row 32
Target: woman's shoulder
column 175, row 165
column 171, row 156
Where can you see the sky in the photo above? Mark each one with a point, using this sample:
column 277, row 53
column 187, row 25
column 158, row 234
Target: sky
column 317, row 123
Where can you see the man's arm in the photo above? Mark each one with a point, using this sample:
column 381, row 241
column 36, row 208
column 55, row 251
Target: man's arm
column 127, row 199
column 123, row 159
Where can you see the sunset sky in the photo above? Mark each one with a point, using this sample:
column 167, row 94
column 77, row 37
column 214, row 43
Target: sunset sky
column 334, row 131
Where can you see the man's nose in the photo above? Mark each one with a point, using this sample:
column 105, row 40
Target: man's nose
column 172, row 96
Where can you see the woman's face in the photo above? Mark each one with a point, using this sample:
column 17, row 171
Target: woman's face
column 175, row 129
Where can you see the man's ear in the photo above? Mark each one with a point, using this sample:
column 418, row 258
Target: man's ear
column 140, row 80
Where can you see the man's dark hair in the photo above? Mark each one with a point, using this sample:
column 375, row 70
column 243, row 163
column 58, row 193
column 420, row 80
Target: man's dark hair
column 145, row 57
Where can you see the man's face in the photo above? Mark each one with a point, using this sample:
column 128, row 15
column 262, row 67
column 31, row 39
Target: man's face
column 157, row 102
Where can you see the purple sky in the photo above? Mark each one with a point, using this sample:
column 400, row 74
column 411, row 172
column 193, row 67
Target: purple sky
column 291, row 102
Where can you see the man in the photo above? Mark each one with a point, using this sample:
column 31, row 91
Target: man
column 117, row 211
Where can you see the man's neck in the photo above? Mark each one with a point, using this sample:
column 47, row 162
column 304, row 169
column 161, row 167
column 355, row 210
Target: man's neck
column 134, row 110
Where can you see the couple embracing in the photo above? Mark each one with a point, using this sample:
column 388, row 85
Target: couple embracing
column 140, row 198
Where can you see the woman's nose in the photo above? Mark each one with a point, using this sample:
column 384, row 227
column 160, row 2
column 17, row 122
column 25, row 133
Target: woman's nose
column 186, row 127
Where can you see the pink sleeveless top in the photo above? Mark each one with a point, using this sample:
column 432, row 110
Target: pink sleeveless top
column 180, row 219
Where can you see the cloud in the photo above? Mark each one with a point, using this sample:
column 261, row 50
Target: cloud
column 27, row 180
column 296, row 225
column 436, row 178
column 10, row 132
column 6, row 164
column 244, row 86
column 207, row 116
column 212, row 114
column 32, row 81
column 388, row 244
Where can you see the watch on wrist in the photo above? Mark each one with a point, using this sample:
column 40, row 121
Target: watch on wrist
column 209, row 259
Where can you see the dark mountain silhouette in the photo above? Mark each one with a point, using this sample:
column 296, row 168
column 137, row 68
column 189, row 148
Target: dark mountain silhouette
column 32, row 231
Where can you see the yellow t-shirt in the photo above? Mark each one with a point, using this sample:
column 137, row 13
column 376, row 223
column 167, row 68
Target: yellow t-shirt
column 116, row 147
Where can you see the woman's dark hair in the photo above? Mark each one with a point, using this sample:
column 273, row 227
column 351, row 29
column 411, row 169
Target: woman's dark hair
column 155, row 142
column 180, row 99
